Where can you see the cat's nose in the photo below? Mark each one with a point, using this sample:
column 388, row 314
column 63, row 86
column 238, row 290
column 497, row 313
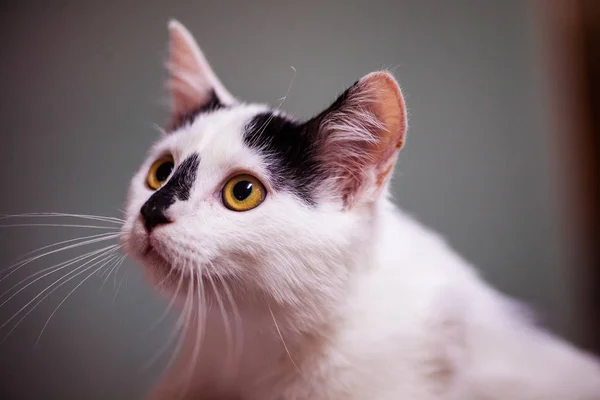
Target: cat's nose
column 154, row 213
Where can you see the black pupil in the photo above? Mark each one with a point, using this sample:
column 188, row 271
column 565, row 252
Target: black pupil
column 163, row 171
column 242, row 190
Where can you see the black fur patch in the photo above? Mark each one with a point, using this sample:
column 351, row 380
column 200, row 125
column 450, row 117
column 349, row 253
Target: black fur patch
column 213, row 104
column 291, row 147
column 178, row 187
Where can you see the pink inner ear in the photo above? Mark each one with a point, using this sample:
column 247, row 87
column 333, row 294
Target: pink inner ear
column 388, row 107
column 192, row 80
column 362, row 138
column 188, row 82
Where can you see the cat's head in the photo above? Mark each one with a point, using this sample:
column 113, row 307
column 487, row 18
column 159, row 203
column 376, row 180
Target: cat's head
column 244, row 194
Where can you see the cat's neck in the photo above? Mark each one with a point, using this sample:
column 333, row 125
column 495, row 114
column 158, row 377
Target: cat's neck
column 311, row 321
column 259, row 334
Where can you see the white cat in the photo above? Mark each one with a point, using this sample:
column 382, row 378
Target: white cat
column 298, row 277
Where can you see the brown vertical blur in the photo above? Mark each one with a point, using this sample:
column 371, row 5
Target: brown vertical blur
column 573, row 29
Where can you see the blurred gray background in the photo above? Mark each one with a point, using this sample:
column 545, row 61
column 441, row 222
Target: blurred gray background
column 82, row 85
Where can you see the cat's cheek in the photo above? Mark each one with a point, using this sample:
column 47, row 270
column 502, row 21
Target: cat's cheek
column 215, row 202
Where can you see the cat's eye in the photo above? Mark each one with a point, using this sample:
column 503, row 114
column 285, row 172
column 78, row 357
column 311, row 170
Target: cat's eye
column 159, row 172
column 243, row 193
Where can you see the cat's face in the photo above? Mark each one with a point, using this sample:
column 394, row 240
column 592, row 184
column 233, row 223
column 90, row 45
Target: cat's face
column 241, row 193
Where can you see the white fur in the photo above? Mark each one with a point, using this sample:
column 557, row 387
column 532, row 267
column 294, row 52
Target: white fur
column 296, row 302
column 368, row 303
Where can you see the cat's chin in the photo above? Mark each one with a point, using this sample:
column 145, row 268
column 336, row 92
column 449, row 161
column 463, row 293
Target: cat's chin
column 158, row 268
column 169, row 278
column 153, row 260
column 167, row 270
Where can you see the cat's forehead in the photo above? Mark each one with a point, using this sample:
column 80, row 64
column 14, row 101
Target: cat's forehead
column 251, row 138
column 215, row 136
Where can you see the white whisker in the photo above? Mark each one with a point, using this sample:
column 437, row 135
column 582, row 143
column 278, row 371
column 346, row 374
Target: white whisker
column 123, row 279
column 105, row 262
column 110, row 269
column 54, row 268
column 119, row 265
column 49, row 270
column 107, row 252
column 282, row 100
column 238, row 327
column 15, row 267
column 98, row 235
column 226, row 322
column 169, row 305
column 49, row 215
column 199, row 323
column 283, row 341
column 187, row 310
column 59, row 225
column 199, row 334
column 174, row 331
column 104, row 274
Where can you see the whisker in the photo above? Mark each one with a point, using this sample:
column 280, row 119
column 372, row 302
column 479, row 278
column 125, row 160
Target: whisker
column 113, row 249
column 52, row 268
column 182, row 322
column 226, row 322
column 119, row 265
column 110, row 270
column 105, row 262
column 107, row 249
column 123, row 279
column 104, row 273
column 236, row 315
column 160, row 129
column 163, row 280
column 43, row 298
column 21, row 264
column 169, row 305
column 199, row 334
column 174, row 331
column 67, row 241
column 199, row 323
column 187, row 311
column 50, row 214
column 282, row 100
column 283, row 341
column 59, row 225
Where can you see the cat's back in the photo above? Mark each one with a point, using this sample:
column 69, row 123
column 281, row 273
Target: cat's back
column 424, row 318
column 404, row 322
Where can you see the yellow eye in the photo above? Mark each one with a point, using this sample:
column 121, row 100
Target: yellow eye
column 243, row 193
column 159, row 172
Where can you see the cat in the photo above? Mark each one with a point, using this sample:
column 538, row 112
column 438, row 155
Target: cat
column 299, row 278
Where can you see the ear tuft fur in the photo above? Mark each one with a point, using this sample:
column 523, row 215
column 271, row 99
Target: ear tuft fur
column 360, row 135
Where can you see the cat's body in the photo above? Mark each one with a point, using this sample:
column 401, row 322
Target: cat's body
column 298, row 277
column 418, row 324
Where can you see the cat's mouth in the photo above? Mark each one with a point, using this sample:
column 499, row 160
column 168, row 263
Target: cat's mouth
column 170, row 277
column 156, row 259
column 148, row 249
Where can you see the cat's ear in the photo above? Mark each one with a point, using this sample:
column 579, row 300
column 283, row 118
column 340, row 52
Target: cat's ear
column 192, row 83
column 359, row 137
